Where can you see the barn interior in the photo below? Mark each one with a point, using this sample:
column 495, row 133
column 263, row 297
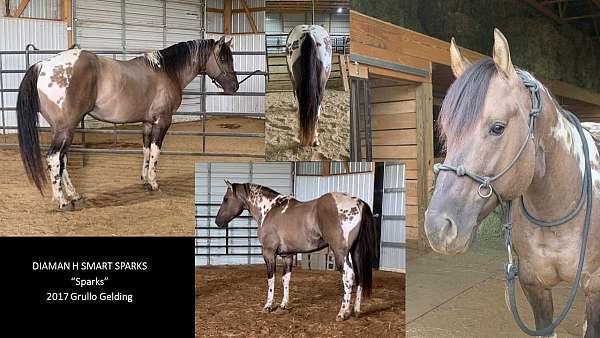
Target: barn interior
column 105, row 158
column 402, row 48
column 281, row 18
column 230, row 268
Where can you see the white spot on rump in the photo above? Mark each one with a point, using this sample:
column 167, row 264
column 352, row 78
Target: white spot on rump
column 54, row 86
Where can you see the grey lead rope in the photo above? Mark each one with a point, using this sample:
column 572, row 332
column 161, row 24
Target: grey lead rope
column 586, row 195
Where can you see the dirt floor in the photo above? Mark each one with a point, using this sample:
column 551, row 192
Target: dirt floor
column 282, row 142
column 464, row 296
column 115, row 202
column 229, row 301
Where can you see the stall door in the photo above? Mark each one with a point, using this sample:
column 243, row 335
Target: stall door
column 393, row 241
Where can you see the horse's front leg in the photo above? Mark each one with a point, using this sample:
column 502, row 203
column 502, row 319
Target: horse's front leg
column 146, row 150
column 269, row 256
column 287, row 274
column 591, row 327
column 540, row 299
column 348, row 281
column 159, row 130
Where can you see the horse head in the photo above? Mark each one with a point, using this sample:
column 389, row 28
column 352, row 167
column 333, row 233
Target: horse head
column 231, row 207
column 219, row 67
column 484, row 121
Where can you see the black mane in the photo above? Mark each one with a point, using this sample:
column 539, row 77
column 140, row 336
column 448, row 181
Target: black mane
column 173, row 58
column 464, row 100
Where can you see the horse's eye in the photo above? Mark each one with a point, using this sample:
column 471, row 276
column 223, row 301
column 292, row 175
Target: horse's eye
column 497, row 128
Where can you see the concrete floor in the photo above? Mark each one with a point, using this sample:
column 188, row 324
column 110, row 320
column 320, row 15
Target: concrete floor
column 463, row 296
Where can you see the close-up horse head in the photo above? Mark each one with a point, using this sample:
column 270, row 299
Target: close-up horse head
column 232, row 206
column 219, row 67
column 484, row 121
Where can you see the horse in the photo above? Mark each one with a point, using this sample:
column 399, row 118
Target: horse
column 287, row 226
column 506, row 133
column 309, row 66
column 147, row 89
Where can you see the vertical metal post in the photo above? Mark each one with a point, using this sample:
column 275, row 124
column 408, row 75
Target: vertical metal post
column 357, row 120
column 204, row 116
column 368, row 140
column 164, row 13
column 251, row 180
column 313, row 12
column 209, row 206
column 2, row 99
column 352, row 112
column 74, row 21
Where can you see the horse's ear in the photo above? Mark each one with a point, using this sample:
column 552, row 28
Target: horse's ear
column 222, row 40
column 502, row 55
column 457, row 61
column 230, row 43
column 229, row 184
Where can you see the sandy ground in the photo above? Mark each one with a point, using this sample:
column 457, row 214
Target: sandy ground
column 463, row 296
column 116, row 203
column 282, row 142
column 229, row 303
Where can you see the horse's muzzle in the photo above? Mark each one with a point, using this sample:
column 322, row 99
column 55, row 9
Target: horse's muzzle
column 444, row 235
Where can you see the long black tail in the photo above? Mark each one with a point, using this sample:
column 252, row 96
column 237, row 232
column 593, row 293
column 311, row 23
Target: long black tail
column 27, row 119
column 364, row 251
column 307, row 73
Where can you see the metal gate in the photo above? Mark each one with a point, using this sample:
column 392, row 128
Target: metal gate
column 393, row 216
column 361, row 144
column 120, row 29
column 238, row 243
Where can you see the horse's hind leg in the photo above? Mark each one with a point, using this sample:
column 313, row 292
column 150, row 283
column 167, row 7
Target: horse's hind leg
column 591, row 327
column 348, row 281
column 159, row 130
column 67, row 184
column 287, row 274
column 269, row 256
column 60, row 144
column 316, row 141
column 540, row 299
column 146, row 150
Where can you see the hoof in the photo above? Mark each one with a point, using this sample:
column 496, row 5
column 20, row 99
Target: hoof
column 282, row 309
column 357, row 313
column 342, row 317
column 150, row 187
column 67, row 207
column 316, row 143
column 269, row 308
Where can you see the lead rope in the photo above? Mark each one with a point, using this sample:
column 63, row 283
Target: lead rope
column 511, row 269
column 486, row 189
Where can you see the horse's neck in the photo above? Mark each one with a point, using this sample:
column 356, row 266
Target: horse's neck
column 259, row 204
column 559, row 161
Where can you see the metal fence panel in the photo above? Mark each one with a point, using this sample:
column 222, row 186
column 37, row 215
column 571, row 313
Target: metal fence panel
column 393, row 218
column 238, row 243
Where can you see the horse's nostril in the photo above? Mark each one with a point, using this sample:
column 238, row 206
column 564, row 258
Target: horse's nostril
column 448, row 230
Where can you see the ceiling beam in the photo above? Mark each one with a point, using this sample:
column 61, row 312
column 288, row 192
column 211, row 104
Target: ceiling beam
column 249, row 16
column 545, row 10
column 21, row 8
column 581, row 17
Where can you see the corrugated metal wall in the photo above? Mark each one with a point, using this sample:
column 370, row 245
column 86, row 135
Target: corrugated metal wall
column 335, row 168
column 282, row 23
column 393, row 237
column 242, row 104
column 16, row 35
column 358, row 185
column 154, row 24
column 40, row 9
column 210, row 189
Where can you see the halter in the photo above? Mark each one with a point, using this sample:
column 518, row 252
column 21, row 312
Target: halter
column 223, row 72
column 486, row 189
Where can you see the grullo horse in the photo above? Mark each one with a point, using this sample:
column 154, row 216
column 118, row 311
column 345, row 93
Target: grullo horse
column 147, row 89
